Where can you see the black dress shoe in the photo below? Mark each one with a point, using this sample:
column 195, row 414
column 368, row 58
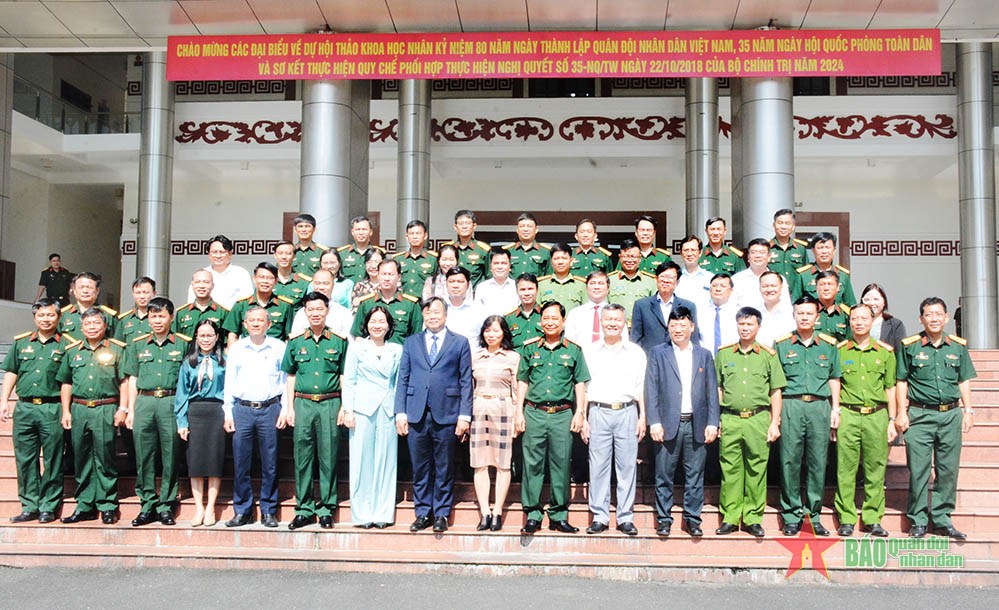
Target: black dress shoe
column 269, row 520
column 239, row 520
column 819, row 529
column 876, row 530
column 46, row 517
column 422, row 522
column 694, row 530
column 76, row 517
column 326, row 522
column 755, row 530
column 663, row 528
column 531, row 526
column 950, row 532
column 726, row 529
column 382, row 525
column 497, row 523
column 109, row 517
column 440, row 525
column 301, row 521
column 484, row 523
column 596, row 527
column 917, row 531
column 143, row 519
column 791, row 529
column 627, row 528
column 166, row 518
column 845, row 530
column 562, row 526
column 365, row 526
column 24, row 517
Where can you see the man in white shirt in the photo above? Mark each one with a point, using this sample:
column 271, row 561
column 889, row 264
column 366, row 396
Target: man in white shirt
column 616, row 422
column 232, row 282
column 695, row 281
column 498, row 294
column 747, row 281
column 582, row 324
column 717, row 320
column 464, row 316
column 778, row 317
column 339, row 319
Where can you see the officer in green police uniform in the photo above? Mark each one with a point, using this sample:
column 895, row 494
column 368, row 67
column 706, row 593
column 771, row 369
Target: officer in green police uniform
column 280, row 309
column 472, row 255
column 55, row 281
column 527, row 255
column 417, row 263
column 30, row 368
column 186, row 318
column 86, row 290
column 811, row 365
column 352, row 254
column 867, row 402
column 834, row 317
column 92, row 386
column 404, row 308
column 717, row 257
column 306, row 252
column 823, row 251
column 561, row 286
column 588, row 257
column 750, row 380
column 525, row 320
column 550, row 381
column 152, row 364
column 290, row 284
column 934, row 381
column 650, row 256
column 135, row 321
column 630, row 283
column 314, row 362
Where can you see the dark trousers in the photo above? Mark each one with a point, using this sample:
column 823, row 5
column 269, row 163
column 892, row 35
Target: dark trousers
column 431, row 449
column 259, row 425
column 668, row 454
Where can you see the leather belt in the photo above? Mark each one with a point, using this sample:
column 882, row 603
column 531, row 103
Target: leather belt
column 257, row 405
column 613, row 406
column 551, row 407
column 95, row 402
column 317, row 397
column 39, row 400
column 686, row 417
column 806, row 397
column 747, row 413
column 942, row 408
column 866, row 410
column 157, row 393
column 492, row 396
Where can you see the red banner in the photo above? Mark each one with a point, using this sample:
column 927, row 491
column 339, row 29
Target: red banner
column 746, row 53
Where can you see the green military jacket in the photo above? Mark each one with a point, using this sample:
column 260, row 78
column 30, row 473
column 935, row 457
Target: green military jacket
column 474, row 257
column 835, row 322
column 728, row 261
column 524, row 327
column 186, row 319
column 652, row 260
column 808, row 368
column 352, row 261
column 416, row 270
column 866, row 373
column 806, row 284
column 36, row 362
column 404, row 309
column 570, row 291
column 130, row 325
column 934, row 372
column 786, row 261
column 155, row 366
column 536, row 259
column 279, row 309
column 69, row 321
column 595, row 259
column 625, row 291
column 552, row 372
column 316, row 364
column 94, row 373
column 747, row 378
column 294, row 289
column 307, row 259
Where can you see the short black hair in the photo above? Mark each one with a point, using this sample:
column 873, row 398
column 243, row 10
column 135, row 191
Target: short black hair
column 425, row 305
column 416, row 223
column 749, row 312
column 390, row 261
column 666, row 266
column 583, row 221
column 784, row 212
column 91, row 312
column 284, row 242
column 269, row 267
column 597, row 273
column 507, row 341
column 527, row 277
column 758, row 241
column 309, row 218
column 224, row 241
column 821, row 275
column 681, row 312
column 647, row 218
column 315, row 296
column 722, row 275
column 160, row 304
column 54, row 255
column 469, row 214
column 548, row 304
column 358, row 219
column 690, row 238
column 807, row 299
column 144, row 280
column 46, row 302
column 821, row 237
column 87, row 275
column 459, row 271
column 772, row 272
column 931, row 301
column 627, row 244
column 713, row 220
column 498, row 251
column 527, row 216
column 388, row 319
column 560, row 247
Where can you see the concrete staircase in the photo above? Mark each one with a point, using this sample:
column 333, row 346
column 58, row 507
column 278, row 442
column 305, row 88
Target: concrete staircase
column 463, row 550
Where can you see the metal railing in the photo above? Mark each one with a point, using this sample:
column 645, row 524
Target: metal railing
column 48, row 109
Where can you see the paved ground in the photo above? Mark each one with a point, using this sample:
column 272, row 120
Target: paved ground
column 25, row 589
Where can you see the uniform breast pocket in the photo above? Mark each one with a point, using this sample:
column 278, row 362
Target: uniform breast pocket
column 300, row 357
column 76, row 363
column 27, row 356
column 143, row 358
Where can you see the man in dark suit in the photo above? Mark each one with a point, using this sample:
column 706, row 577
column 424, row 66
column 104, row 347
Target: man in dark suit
column 648, row 319
column 681, row 397
column 433, row 407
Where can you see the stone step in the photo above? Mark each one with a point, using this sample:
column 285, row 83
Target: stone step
column 972, row 452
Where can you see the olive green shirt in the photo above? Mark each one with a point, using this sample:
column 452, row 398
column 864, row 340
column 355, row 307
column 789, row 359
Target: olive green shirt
column 806, row 284
column 786, row 261
column 352, row 261
column 279, row 309
column 747, row 378
column 728, row 260
column 130, row 325
column 186, row 319
column 551, row 373
column 523, row 328
column 294, row 289
column 536, row 259
column 834, row 322
column 595, row 259
column 155, row 366
column 934, row 372
column 866, row 373
column 93, row 373
column 474, row 257
column 36, row 362
column 808, row 368
column 625, row 291
column 69, row 321
column 307, row 259
column 404, row 309
column 316, row 365
column 570, row 291
column 416, row 270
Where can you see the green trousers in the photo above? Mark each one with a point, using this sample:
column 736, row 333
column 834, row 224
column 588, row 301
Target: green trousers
column 547, row 440
column 316, row 439
column 93, row 455
column 743, row 452
column 933, row 440
column 861, row 437
column 154, row 430
column 37, row 433
column 804, row 443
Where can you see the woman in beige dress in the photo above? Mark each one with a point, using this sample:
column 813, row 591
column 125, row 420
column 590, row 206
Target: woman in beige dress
column 494, row 373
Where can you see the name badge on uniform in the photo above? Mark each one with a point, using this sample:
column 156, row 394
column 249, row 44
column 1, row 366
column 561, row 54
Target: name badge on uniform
column 921, row 356
column 400, row 312
column 174, row 353
column 275, row 314
column 952, row 357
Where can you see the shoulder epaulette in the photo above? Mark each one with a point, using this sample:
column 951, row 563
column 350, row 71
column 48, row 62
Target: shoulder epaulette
column 123, row 314
column 727, row 346
column 735, row 250
column 647, row 274
column 336, row 334
column 801, row 242
column 604, row 251
column 222, row 307
column 664, row 251
column 508, row 246
column 887, row 346
column 958, row 340
column 571, row 342
column 784, row 338
column 118, row 343
column 509, row 313
column 298, row 335
column 843, row 343
column 321, row 247
column 410, row 297
column 449, row 242
column 108, row 310
column 545, row 246
column 843, row 269
column 286, row 299
column 22, row 335
column 545, row 277
column 73, row 342
column 431, row 253
column 534, row 340
column 184, row 337
column 185, row 306
column 911, row 340
column 844, row 308
column 307, row 278
column 66, row 308
column 768, row 349
column 484, row 245
column 804, row 268
column 828, row 338
column 578, row 278
column 366, row 297
column 342, row 248
column 141, row 337
column 398, row 254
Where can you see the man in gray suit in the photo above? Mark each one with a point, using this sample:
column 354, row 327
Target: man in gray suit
column 681, row 399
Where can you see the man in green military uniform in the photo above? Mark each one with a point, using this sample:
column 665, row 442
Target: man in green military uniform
column 717, row 257
column 135, row 321
column 92, row 384
column 588, row 257
column 54, row 281
column 404, row 308
column 867, row 401
column 279, row 309
column 417, row 263
column 472, row 255
column 527, row 255
column 550, row 381
column 86, row 289
column 352, row 255
column 186, row 319
column 562, row 286
column 650, row 256
column 307, row 252
column 152, row 364
column 834, row 316
column 290, row 284
column 823, row 250
column 314, row 362
column 630, row 283
column 811, row 365
column 525, row 320
column 750, row 380
column 934, row 381
column 30, row 367
column 787, row 253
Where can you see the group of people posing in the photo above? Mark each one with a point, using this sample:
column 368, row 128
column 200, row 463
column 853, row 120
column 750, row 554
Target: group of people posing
column 557, row 345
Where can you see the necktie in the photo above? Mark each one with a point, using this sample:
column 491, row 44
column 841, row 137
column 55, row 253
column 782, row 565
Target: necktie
column 433, row 348
column 596, row 323
column 205, row 370
column 717, row 327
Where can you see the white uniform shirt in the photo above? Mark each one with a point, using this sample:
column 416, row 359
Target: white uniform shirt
column 497, row 299
column 729, row 328
column 231, row 285
column 339, row 320
column 579, row 325
column 617, row 372
column 253, row 372
column 746, row 290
